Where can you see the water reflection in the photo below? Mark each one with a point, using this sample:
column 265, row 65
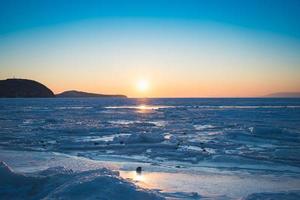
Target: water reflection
column 140, row 107
column 139, row 177
column 133, row 175
column 210, row 183
column 145, row 108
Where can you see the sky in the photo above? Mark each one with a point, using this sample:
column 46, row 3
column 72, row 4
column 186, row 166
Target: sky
column 177, row 48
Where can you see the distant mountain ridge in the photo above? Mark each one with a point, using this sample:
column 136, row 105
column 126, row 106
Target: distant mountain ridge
column 76, row 94
column 23, row 88
column 285, row 94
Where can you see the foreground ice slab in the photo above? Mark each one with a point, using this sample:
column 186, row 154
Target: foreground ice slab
column 62, row 183
column 47, row 174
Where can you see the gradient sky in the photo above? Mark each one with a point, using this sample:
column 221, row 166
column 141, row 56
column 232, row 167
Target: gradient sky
column 183, row 48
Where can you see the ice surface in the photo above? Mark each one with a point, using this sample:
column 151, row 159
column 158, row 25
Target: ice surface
column 232, row 136
column 275, row 196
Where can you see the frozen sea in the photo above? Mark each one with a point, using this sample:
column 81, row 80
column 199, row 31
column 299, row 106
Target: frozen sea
column 89, row 148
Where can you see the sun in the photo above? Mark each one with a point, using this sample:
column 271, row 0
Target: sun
column 143, row 85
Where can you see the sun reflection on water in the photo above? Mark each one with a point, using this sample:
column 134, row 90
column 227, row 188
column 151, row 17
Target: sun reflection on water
column 140, row 107
column 145, row 179
column 138, row 177
column 133, row 175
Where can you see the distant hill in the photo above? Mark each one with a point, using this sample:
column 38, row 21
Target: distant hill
column 285, row 95
column 13, row 88
column 74, row 94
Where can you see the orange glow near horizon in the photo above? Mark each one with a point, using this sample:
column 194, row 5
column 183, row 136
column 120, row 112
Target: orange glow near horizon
column 184, row 87
column 144, row 58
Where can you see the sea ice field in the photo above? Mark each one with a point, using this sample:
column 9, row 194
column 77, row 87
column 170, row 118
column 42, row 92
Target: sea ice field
column 89, row 148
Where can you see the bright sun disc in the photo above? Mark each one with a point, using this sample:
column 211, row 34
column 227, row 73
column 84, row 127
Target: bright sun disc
column 143, row 85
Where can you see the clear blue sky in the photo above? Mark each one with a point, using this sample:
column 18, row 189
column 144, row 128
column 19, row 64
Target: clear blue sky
column 279, row 16
column 254, row 43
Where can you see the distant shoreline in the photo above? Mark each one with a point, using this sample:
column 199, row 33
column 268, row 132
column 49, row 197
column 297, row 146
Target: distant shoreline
column 55, row 97
column 25, row 88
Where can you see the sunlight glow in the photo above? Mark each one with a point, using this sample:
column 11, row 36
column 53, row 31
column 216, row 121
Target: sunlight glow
column 143, row 85
column 138, row 177
column 143, row 107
